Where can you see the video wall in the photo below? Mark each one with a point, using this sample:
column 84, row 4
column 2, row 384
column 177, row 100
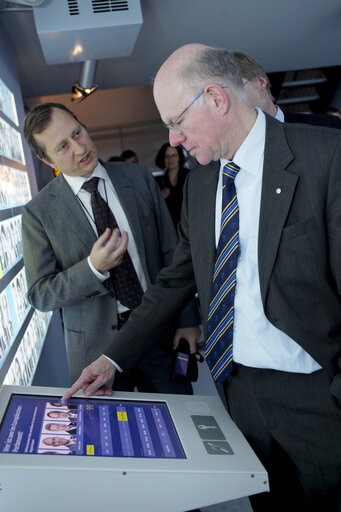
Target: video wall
column 22, row 328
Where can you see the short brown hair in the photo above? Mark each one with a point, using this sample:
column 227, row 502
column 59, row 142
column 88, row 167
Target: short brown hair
column 249, row 66
column 37, row 119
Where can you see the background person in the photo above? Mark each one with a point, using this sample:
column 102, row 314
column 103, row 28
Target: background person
column 172, row 182
column 128, row 155
column 115, row 158
column 257, row 86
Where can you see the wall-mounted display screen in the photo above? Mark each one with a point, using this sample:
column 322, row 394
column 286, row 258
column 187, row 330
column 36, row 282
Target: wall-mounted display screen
column 7, row 102
column 14, row 187
column 103, row 428
column 10, row 243
column 10, row 142
column 25, row 359
column 22, row 330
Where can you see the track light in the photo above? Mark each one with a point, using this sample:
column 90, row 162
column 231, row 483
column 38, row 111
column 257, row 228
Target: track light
column 85, row 86
column 80, row 93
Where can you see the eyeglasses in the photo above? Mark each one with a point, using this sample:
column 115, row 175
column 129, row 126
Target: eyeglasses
column 174, row 125
column 249, row 79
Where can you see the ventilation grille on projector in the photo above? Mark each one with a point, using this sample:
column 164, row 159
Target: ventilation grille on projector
column 99, row 6
column 109, row 5
column 73, row 7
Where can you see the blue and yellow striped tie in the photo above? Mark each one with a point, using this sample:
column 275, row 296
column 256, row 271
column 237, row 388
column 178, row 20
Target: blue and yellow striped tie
column 218, row 351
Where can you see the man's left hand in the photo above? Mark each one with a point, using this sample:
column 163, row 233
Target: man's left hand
column 191, row 334
column 93, row 379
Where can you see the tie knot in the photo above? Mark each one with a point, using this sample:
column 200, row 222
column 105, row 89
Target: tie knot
column 230, row 171
column 91, row 185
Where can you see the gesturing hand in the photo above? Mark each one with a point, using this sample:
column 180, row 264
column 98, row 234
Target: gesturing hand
column 108, row 250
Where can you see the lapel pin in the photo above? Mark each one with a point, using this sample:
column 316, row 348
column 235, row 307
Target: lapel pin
column 278, row 190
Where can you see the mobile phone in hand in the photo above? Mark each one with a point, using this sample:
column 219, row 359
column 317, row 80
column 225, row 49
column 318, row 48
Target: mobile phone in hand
column 180, row 361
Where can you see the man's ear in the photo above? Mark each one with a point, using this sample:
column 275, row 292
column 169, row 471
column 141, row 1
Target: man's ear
column 50, row 164
column 263, row 83
column 217, row 95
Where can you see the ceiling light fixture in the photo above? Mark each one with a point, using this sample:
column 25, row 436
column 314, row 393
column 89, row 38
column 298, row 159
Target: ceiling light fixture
column 85, row 86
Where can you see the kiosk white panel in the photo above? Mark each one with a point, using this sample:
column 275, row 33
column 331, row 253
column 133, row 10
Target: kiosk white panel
column 128, row 452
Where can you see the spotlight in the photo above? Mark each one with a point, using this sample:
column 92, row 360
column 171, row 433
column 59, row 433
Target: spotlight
column 85, row 86
column 80, row 93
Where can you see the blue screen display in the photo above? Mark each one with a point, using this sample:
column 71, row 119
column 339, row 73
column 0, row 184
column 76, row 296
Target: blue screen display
column 89, row 427
column 182, row 364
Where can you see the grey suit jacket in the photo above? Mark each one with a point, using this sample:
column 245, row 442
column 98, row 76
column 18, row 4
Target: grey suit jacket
column 57, row 239
column 299, row 246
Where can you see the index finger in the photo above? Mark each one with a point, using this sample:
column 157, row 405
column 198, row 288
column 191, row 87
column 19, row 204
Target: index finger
column 74, row 388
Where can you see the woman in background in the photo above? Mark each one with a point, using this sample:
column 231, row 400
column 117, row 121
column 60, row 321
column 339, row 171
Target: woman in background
column 172, row 182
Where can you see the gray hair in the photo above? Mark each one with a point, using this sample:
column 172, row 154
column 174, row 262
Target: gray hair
column 213, row 65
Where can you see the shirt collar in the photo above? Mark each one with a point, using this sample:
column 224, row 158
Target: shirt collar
column 279, row 114
column 250, row 153
column 76, row 182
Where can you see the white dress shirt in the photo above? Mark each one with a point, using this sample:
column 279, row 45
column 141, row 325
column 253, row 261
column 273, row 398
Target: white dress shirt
column 108, row 192
column 256, row 342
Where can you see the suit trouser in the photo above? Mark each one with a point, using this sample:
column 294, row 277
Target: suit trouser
column 293, row 424
column 152, row 374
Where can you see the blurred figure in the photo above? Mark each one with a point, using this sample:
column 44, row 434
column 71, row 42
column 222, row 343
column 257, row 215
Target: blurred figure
column 129, row 156
column 115, row 158
column 257, row 87
column 172, row 182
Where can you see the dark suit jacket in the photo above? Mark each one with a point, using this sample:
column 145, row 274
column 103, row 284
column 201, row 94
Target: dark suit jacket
column 299, row 246
column 57, row 239
column 315, row 119
column 174, row 200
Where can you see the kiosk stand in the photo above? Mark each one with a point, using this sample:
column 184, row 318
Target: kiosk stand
column 128, row 452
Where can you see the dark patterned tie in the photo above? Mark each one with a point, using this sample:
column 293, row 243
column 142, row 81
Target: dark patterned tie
column 127, row 286
column 218, row 351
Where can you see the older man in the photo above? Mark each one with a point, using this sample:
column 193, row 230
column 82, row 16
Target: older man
column 275, row 190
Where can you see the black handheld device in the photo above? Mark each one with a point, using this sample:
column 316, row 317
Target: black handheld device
column 181, row 360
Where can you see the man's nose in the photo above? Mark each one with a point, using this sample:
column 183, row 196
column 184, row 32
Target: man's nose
column 176, row 138
column 78, row 148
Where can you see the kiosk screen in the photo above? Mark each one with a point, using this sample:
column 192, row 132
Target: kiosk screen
column 89, row 427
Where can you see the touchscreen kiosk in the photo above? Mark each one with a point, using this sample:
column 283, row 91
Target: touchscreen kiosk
column 135, row 451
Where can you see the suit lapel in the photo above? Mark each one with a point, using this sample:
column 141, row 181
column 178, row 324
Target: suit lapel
column 203, row 219
column 278, row 189
column 73, row 214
